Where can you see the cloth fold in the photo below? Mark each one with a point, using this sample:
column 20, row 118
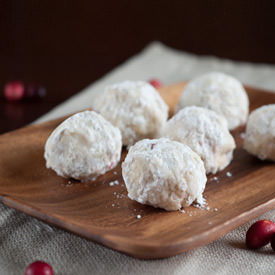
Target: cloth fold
column 24, row 239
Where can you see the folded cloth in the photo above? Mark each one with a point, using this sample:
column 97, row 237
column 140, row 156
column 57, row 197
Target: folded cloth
column 24, row 239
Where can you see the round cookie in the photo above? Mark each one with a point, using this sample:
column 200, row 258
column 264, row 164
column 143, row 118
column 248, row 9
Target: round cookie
column 163, row 173
column 83, row 146
column 135, row 107
column 260, row 133
column 219, row 92
column 206, row 133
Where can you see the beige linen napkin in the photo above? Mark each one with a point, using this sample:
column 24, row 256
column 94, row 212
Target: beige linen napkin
column 24, row 239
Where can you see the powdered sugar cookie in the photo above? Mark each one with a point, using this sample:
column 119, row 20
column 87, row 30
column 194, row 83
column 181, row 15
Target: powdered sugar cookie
column 219, row 92
column 163, row 173
column 260, row 133
column 135, row 107
column 206, row 133
column 83, row 146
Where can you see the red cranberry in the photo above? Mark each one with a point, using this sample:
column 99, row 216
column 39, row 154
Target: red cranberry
column 259, row 234
column 155, row 83
column 272, row 241
column 35, row 91
column 14, row 90
column 39, row 268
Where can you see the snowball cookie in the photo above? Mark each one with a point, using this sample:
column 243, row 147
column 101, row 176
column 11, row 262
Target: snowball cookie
column 163, row 173
column 218, row 92
column 135, row 107
column 206, row 133
column 260, row 133
column 83, row 146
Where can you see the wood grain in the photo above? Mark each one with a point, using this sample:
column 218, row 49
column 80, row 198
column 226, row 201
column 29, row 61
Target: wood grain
column 104, row 214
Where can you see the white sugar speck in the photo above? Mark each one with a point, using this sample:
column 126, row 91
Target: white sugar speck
column 228, row 174
column 242, row 135
column 115, row 172
column 209, row 222
column 115, row 182
column 138, row 216
column 215, row 209
column 215, row 179
column 182, row 211
column 207, row 208
column 113, row 204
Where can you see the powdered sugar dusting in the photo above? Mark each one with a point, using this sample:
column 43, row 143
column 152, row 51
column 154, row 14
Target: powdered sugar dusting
column 219, row 92
column 135, row 107
column 79, row 146
column 146, row 172
column 206, row 133
column 260, row 133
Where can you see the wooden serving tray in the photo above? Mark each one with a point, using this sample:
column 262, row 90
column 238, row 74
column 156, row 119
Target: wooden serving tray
column 101, row 211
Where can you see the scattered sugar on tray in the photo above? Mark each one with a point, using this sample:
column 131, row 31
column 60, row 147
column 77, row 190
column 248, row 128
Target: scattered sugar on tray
column 228, row 174
column 115, row 182
column 138, row 216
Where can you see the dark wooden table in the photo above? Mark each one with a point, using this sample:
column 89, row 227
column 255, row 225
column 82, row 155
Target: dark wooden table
column 66, row 45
